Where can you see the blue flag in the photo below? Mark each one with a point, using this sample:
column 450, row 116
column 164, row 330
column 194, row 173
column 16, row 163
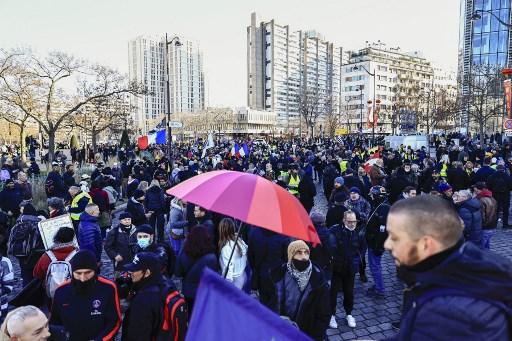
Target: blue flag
column 160, row 137
column 223, row 312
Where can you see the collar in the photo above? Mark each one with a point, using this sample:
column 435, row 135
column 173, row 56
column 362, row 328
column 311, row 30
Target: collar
column 434, row 260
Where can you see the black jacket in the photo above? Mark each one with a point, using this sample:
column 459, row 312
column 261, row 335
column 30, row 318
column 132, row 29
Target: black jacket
column 335, row 215
column 120, row 243
column 94, row 315
column 155, row 199
column 165, row 254
column 307, row 192
column 136, row 209
column 376, row 233
column 143, row 318
column 313, row 307
column 346, row 248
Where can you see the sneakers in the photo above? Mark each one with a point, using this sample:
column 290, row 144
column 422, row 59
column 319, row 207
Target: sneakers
column 333, row 324
column 351, row 321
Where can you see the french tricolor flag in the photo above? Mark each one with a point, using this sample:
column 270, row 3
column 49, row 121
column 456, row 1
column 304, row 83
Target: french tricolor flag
column 244, row 151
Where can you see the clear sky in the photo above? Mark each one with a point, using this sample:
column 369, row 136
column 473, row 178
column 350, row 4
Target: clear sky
column 99, row 30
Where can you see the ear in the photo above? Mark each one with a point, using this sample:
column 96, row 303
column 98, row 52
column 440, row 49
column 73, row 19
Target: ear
column 147, row 273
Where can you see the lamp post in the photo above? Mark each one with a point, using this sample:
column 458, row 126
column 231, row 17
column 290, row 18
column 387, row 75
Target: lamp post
column 373, row 113
column 177, row 43
column 477, row 16
column 361, row 106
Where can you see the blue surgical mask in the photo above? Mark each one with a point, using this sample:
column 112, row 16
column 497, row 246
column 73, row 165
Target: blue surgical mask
column 143, row 242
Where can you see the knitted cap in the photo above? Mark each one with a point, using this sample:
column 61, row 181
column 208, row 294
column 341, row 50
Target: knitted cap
column 295, row 246
column 443, row 187
column 138, row 194
column 339, row 180
column 125, row 215
column 84, row 259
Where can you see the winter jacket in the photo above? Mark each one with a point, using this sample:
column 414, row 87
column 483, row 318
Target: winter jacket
column 30, row 261
column 238, row 261
column 131, row 187
column 310, row 309
column 26, row 190
column 476, row 278
column 489, row 208
column 482, row 174
column 470, row 212
column 307, row 192
column 10, row 199
column 69, row 179
column 155, row 199
column 361, row 207
column 376, row 233
column 165, row 254
column 335, row 215
column 177, row 221
column 100, row 198
column 94, row 315
column 143, row 318
column 191, row 270
column 43, row 263
column 500, row 184
column 458, row 178
column 320, row 254
column 59, row 188
column 119, row 242
column 136, row 209
column 89, row 235
column 6, row 284
column 345, row 247
column 377, row 175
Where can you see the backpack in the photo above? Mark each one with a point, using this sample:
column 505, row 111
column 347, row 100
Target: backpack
column 24, row 239
column 49, row 187
column 4, row 175
column 175, row 317
column 58, row 272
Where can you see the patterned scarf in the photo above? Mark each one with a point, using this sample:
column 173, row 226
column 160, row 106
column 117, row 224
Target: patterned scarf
column 302, row 277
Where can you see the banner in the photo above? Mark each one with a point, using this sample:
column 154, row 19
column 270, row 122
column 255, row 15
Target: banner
column 376, row 113
column 507, row 85
column 49, row 227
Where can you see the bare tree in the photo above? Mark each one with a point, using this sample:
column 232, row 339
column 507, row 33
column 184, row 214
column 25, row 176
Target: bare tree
column 332, row 117
column 40, row 89
column 483, row 96
column 310, row 107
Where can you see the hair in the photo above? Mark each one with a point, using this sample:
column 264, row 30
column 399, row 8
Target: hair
column 74, row 189
column 91, row 208
column 155, row 183
column 429, row 215
column 407, row 189
column 347, row 212
column 18, row 315
column 198, row 243
column 56, row 203
column 143, row 186
column 227, row 233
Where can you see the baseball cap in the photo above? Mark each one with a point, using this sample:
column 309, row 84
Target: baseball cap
column 143, row 261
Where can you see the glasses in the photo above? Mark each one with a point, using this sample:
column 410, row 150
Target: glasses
column 351, row 221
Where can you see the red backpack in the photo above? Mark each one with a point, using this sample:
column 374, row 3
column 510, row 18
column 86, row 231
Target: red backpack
column 175, row 317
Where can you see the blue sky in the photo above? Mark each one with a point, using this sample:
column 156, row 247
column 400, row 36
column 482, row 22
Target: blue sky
column 99, row 30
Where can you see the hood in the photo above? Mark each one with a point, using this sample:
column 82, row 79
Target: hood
column 88, row 218
column 471, row 269
column 25, row 217
column 485, row 193
column 176, row 206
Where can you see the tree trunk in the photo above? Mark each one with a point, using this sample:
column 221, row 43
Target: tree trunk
column 481, row 127
column 22, row 143
column 51, row 146
column 93, row 138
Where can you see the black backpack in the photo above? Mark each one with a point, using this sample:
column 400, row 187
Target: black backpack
column 49, row 187
column 174, row 317
column 24, row 239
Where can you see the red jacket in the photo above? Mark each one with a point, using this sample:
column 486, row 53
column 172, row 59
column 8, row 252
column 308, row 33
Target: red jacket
column 44, row 262
column 100, row 198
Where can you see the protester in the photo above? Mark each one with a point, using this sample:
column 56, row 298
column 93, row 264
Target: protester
column 87, row 307
column 54, row 184
column 78, row 203
column 136, row 208
column 119, row 243
column 154, row 202
column 232, row 262
column 470, row 212
column 500, row 184
column 198, row 253
column 454, row 289
column 26, row 323
column 177, row 224
column 301, row 292
column 10, row 199
column 320, row 254
column 6, row 285
column 336, row 210
column 489, row 208
column 89, row 235
column 55, row 207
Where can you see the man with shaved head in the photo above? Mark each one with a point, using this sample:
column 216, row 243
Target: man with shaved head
column 456, row 291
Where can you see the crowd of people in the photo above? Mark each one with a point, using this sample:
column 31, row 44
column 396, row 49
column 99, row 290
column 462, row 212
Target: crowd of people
column 434, row 209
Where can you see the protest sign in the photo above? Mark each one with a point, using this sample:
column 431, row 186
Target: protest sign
column 49, row 227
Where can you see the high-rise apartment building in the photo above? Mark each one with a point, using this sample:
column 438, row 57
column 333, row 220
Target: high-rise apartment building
column 399, row 80
column 283, row 64
column 147, row 64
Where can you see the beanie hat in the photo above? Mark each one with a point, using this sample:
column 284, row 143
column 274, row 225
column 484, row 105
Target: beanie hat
column 138, row 194
column 339, row 180
column 64, row 235
column 145, row 228
column 317, row 217
column 295, row 246
column 443, row 187
column 355, row 190
column 84, row 259
column 500, row 168
column 339, row 198
column 125, row 215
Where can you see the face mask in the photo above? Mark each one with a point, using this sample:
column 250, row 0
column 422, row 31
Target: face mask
column 143, row 242
column 83, row 287
column 300, row 265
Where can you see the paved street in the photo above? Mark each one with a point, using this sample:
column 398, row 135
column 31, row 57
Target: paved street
column 373, row 316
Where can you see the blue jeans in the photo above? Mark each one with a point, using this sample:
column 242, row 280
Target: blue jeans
column 486, row 238
column 376, row 270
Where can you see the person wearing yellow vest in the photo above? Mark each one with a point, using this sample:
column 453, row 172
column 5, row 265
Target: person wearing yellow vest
column 294, row 180
column 79, row 200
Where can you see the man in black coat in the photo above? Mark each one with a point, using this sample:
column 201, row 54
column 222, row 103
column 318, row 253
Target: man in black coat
column 144, row 316
column 336, row 210
column 136, row 208
column 54, row 184
column 500, row 184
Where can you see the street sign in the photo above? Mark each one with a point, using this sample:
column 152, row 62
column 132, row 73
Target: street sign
column 508, row 133
column 175, row 124
column 341, row 131
column 507, row 124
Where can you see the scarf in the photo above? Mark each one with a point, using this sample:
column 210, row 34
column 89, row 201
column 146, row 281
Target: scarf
column 301, row 277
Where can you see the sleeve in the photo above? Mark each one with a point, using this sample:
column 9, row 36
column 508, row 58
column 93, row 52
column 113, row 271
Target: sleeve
column 140, row 312
column 224, row 254
column 109, row 243
column 80, row 206
column 41, row 267
column 55, row 316
column 7, row 282
column 98, row 241
column 112, row 315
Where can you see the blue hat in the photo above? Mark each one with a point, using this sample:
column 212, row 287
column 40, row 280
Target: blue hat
column 443, row 187
column 143, row 261
column 339, row 180
column 355, row 190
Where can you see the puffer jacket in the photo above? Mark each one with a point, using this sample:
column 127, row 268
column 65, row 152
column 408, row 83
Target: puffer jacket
column 89, row 235
column 361, row 207
column 471, row 214
column 489, row 209
column 312, row 306
column 155, row 199
column 177, row 221
column 345, row 247
column 454, row 299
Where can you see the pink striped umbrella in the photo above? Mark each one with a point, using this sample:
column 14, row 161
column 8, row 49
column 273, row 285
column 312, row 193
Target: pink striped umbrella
column 251, row 199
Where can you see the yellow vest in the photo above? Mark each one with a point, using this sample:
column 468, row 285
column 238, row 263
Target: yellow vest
column 74, row 203
column 443, row 170
column 343, row 165
column 293, row 185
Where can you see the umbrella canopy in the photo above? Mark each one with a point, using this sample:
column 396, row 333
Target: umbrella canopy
column 251, row 199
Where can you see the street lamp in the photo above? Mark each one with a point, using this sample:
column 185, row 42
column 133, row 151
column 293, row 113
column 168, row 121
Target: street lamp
column 477, row 16
column 177, row 43
column 360, row 89
column 372, row 75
